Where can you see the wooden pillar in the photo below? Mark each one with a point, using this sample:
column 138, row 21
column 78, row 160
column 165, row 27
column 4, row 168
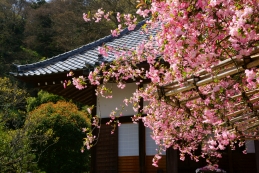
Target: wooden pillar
column 230, row 160
column 257, row 154
column 93, row 159
column 171, row 160
column 93, row 149
column 142, row 140
column 142, row 148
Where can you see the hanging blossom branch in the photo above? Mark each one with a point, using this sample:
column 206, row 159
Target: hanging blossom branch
column 194, row 36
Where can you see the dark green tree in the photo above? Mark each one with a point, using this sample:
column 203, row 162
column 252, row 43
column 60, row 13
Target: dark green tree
column 16, row 155
column 12, row 103
column 13, row 17
column 57, row 26
column 37, row 3
column 42, row 97
column 12, row 21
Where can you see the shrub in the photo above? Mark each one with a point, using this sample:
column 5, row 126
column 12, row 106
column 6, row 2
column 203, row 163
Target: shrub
column 61, row 124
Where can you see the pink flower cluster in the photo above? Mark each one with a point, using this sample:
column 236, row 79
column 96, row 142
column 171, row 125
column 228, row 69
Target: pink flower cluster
column 193, row 37
column 79, row 82
column 252, row 78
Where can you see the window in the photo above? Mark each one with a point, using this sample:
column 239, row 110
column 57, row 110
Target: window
column 128, row 140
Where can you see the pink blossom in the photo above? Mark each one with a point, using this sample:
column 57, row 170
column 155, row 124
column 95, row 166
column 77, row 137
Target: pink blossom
column 131, row 27
column 250, row 75
column 144, row 13
column 115, row 33
column 65, row 84
column 102, row 51
column 118, row 17
column 85, row 17
column 79, row 82
column 98, row 15
column 89, row 110
column 106, row 16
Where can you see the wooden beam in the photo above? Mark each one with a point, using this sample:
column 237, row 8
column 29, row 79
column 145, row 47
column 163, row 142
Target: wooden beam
column 176, row 88
column 251, row 101
column 256, row 143
column 93, row 149
column 240, row 111
column 142, row 139
column 230, row 160
column 142, row 147
column 221, row 65
column 253, row 64
column 248, row 93
column 205, row 81
column 171, row 160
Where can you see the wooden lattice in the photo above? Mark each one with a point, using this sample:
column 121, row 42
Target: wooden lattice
column 245, row 120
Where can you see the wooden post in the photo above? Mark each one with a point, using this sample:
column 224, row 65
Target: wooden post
column 93, row 159
column 93, row 149
column 257, row 155
column 142, row 148
column 230, row 160
column 171, row 160
column 142, row 141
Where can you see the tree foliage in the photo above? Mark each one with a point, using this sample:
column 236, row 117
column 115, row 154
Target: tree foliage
column 38, row 29
column 16, row 155
column 12, row 22
column 61, row 123
column 50, row 137
column 12, row 103
column 57, row 26
column 42, row 97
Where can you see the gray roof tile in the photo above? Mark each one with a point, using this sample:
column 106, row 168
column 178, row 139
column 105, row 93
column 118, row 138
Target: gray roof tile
column 87, row 54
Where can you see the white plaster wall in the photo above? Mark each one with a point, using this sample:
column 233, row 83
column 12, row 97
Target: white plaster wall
column 150, row 144
column 145, row 103
column 128, row 140
column 106, row 106
column 250, row 147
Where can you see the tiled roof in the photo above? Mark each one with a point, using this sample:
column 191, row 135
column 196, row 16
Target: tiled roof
column 88, row 54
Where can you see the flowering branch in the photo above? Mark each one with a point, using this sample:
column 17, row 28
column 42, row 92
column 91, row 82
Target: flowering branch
column 193, row 38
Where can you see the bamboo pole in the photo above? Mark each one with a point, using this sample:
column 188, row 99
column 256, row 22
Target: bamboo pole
column 251, row 101
column 205, row 81
column 240, row 111
column 255, row 56
column 206, row 78
column 222, row 64
column 236, row 119
column 253, row 63
column 254, row 125
column 248, row 121
column 248, row 93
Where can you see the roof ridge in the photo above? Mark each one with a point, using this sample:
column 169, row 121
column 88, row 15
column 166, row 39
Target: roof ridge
column 66, row 55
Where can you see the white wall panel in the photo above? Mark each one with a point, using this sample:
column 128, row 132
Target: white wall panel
column 145, row 103
column 128, row 140
column 106, row 106
column 250, row 146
